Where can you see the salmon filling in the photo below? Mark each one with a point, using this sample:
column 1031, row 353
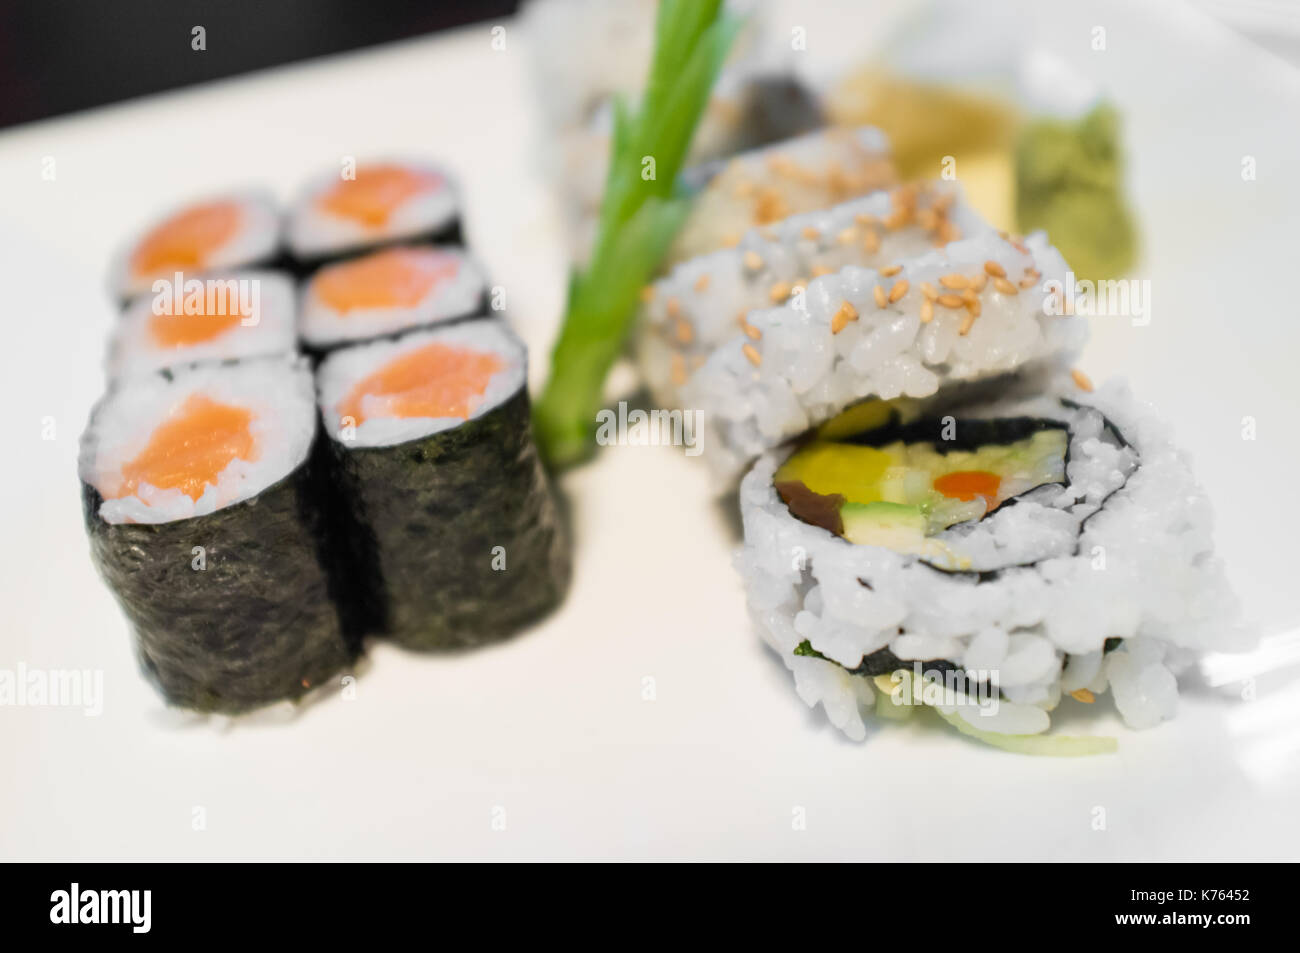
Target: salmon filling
column 376, row 192
column 185, row 330
column 187, row 239
column 436, row 380
column 393, row 278
column 189, row 451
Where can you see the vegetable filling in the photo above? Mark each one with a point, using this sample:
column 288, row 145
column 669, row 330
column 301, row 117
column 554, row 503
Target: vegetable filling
column 899, row 485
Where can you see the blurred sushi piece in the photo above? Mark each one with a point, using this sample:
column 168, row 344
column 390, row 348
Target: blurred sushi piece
column 757, row 99
column 372, row 204
column 760, row 187
column 455, row 536
column 199, row 504
column 225, row 232
column 228, row 316
column 389, row 291
column 975, row 308
column 701, row 303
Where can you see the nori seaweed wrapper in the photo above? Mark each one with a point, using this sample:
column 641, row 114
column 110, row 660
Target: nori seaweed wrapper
column 257, row 625
column 437, row 516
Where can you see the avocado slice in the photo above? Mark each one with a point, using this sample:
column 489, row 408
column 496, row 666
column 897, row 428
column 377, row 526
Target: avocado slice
column 892, row 525
column 847, row 470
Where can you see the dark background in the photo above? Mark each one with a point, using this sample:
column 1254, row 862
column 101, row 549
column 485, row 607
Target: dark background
column 58, row 56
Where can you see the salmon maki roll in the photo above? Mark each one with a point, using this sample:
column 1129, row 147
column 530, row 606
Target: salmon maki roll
column 389, row 291
column 199, row 504
column 370, row 205
column 230, row 316
column 233, row 231
column 455, row 536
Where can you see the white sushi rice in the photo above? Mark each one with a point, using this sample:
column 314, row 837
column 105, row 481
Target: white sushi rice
column 343, row 369
column 268, row 329
column 803, row 174
column 696, row 306
column 278, row 390
column 1142, row 569
column 255, row 241
column 321, row 325
column 314, row 232
column 806, row 372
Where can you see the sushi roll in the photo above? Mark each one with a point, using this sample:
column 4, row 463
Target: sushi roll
column 389, row 291
column 226, row 317
column 975, row 308
column 1028, row 539
column 766, row 185
column 199, row 505
column 455, row 536
column 373, row 204
column 701, row 303
column 225, row 232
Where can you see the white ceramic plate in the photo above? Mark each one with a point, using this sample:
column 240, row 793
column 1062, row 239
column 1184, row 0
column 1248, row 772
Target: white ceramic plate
column 644, row 720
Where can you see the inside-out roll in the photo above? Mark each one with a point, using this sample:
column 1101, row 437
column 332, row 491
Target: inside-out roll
column 1022, row 532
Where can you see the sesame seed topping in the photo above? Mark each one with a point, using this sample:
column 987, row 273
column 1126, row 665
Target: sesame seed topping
column 780, row 291
column 994, row 270
column 929, row 291
column 679, row 369
column 951, row 301
column 819, row 270
column 1028, row 281
column 954, row 281
column 878, row 292
column 752, row 354
column 978, row 282
column 900, row 288
column 1081, row 380
column 927, row 311
column 1004, row 286
column 702, row 282
column 967, row 322
column 810, row 233
column 752, row 332
column 890, row 270
column 842, row 317
column 871, row 242
column 674, row 308
column 753, row 260
column 847, row 236
column 685, row 333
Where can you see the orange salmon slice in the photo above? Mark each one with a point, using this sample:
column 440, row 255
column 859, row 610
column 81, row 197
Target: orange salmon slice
column 393, row 278
column 187, row 239
column 184, row 330
column 436, row 380
column 376, row 192
column 189, row 450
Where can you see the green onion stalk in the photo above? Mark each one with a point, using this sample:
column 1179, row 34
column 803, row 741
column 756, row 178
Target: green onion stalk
column 641, row 212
